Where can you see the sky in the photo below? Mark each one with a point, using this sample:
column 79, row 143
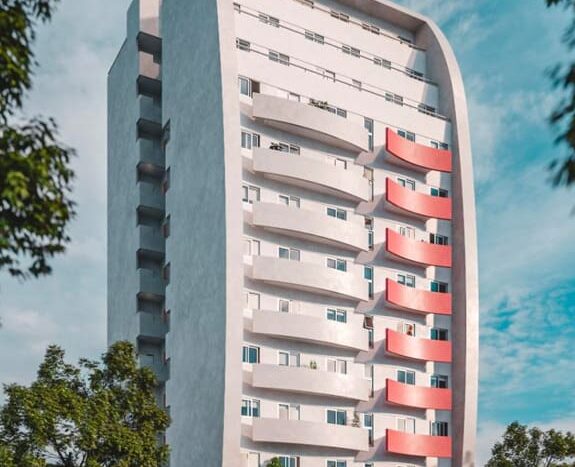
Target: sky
column 526, row 251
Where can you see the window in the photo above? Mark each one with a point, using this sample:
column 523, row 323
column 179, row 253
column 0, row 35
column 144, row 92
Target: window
column 243, row 45
column 269, row 20
column 286, row 461
column 337, row 366
column 329, row 75
column 395, row 98
column 314, row 37
column 406, row 279
column 426, row 109
column 339, row 15
column 368, row 224
column 407, row 183
column 336, row 417
column 245, row 86
column 437, row 239
column 440, row 192
column 237, row 7
column 368, row 125
column 436, row 286
column 279, row 58
column 288, row 359
column 309, row 3
column 336, row 110
column 370, row 27
column 250, row 140
column 250, row 408
column 335, row 314
column 405, row 40
column 406, row 376
column 250, row 194
column 439, row 429
column 347, row 49
column 356, row 84
column 407, row 425
column 368, row 424
column 332, row 463
column 439, row 334
column 251, row 247
column 368, row 276
column 342, row 163
column 368, row 324
column 284, row 305
column 408, row 135
column 439, row 145
column 337, row 263
column 406, row 328
column 291, row 201
column 288, row 412
column 382, row 62
column 289, row 253
column 408, row 232
column 253, row 300
column 337, row 213
column 250, row 354
column 413, row 73
column 439, row 381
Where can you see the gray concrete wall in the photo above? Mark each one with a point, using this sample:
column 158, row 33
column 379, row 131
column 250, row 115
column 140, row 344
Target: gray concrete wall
column 204, row 248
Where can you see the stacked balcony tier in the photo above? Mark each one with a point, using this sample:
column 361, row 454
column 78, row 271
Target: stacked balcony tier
column 310, row 122
column 409, row 395
column 420, row 252
column 409, row 444
column 417, row 300
column 417, row 204
column 416, row 348
column 417, row 155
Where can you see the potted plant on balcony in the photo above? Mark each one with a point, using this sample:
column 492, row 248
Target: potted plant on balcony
column 275, row 147
column 355, row 421
column 313, row 365
column 274, row 462
column 319, row 104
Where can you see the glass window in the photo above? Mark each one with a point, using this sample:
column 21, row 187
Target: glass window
column 336, row 417
column 408, row 135
column 395, row 98
column 439, row 334
column 289, row 253
column 284, row 305
column 250, row 354
column 407, row 425
column 279, row 58
column 334, row 314
column 439, row 429
column 245, row 86
column 314, row 37
column 438, row 239
column 347, row 49
column 337, row 213
column 406, row 279
column 407, row 183
column 335, row 365
column 408, row 232
column 250, row 194
column 339, row 15
column 368, row 125
column 440, row 192
column 286, row 461
column 406, row 376
column 250, row 408
column 337, row 263
column 382, row 62
column 368, row 424
column 243, row 45
column 332, row 463
column 342, row 163
column 439, row 381
column 436, row 286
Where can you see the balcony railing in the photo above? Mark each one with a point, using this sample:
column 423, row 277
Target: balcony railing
column 416, row 203
column 409, row 395
column 398, row 442
column 417, row 154
column 415, row 251
column 416, row 348
column 422, row 301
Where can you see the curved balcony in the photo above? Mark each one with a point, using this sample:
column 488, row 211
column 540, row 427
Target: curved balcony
column 271, row 430
column 416, row 154
column 310, row 277
column 423, row 301
column 416, row 348
column 350, row 335
column 416, row 203
column 415, row 251
column 419, row 397
column 310, row 225
column 307, row 381
column 311, row 174
column 311, row 122
column 409, row 444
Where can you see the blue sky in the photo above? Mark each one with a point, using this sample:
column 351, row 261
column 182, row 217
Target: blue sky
column 526, row 248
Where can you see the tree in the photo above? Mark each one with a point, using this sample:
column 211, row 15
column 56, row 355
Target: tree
column 274, row 462
column 531, row 447
column 35, row 173
column 91, row 415
column 563, row 117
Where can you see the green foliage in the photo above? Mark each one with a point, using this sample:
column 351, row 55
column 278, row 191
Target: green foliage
column 91, row 415
column 563, row 116
column 274, row 462
column 531, row 447
column 35, row 177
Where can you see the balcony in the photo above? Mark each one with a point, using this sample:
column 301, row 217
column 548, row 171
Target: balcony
column 350, row 335
column 151, row 283
column 420, row 252
column 417, row 155
column 311, row 174
column 310, row 225
column 150, row 117
column 415, row 203
column 310, row 122
column 271, row 430
column 409, row 444
column 151, row 198
column 150, row 152
column 153, row 327
column 416, row 348
column 308, row 381
column 151, row 238
column 409, row 395
column 149, row 75
column 423, row 301
column 310, row 277
column 160, row 369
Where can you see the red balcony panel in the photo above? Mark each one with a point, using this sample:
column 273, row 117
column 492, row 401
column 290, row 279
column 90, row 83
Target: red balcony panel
column 417, row 348
column 417, row 203
column 419, row 397
column 423, row 301
column 417, row 154
column 409, row 444
column 417, row 251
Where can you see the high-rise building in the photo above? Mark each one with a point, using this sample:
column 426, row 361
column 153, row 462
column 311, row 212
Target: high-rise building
column 292, row 240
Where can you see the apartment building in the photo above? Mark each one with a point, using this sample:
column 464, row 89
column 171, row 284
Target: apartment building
column 291, row 231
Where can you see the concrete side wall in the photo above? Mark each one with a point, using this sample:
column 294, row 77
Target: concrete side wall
column 204, row 202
